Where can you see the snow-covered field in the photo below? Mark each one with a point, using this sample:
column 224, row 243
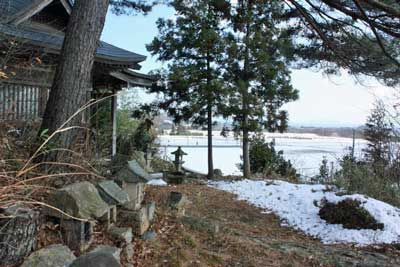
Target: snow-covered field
column 305, row 151
column 295, row 205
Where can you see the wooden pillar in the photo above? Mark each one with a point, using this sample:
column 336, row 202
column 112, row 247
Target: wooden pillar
column 114, row 123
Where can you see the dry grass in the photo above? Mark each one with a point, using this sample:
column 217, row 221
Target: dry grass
column 247, row 237
column 22, row 180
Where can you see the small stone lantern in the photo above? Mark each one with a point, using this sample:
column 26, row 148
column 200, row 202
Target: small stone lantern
column 178, row 162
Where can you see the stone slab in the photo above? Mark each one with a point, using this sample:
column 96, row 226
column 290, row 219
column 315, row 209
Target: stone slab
column 80, row 200
column 112, row 193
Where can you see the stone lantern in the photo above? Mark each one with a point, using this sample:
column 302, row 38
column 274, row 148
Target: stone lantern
column 178, row 161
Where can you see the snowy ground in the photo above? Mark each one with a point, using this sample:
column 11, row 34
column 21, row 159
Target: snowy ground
column 295, row 205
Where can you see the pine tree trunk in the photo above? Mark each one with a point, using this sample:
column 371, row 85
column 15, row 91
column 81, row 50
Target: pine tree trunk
column 245, row 103
column 246, row 154
column 73, row 74
column 210, row 143
column 209, row 121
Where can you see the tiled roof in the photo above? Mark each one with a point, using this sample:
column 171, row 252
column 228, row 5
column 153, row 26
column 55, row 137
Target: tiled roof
column 9, row 8
column 106, row 53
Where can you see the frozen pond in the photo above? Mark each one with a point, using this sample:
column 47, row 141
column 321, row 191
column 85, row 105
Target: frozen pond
column 305, row 151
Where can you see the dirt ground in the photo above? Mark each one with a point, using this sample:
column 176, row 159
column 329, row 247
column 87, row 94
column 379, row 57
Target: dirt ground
column 218, row 230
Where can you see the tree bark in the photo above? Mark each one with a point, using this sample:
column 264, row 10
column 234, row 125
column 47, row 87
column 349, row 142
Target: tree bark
column 74, row 70
column 245, row 103
column 210, row 142
column 246, row 153
column 209, row 121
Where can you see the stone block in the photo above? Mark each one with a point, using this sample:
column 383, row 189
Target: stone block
column 138, row 220
column 110, row 217
column 77, row 235
column 151, row 209
column 123, row 234
column 136, row 195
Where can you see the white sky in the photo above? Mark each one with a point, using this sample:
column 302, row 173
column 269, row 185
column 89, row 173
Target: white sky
column 333, row 101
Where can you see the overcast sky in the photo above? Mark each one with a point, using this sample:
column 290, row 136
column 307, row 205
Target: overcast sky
column 324, row 101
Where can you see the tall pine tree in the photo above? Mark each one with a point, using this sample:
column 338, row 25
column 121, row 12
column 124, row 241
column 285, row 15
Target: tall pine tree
column 256, row 69
column 192, row 46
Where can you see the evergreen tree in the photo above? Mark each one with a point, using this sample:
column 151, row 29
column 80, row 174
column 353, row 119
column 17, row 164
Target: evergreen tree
column 378, row 134
column 256, row 70
column 192, row 45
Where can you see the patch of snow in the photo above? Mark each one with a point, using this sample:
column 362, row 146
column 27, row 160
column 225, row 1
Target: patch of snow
column 296, row 205
column 158, row 182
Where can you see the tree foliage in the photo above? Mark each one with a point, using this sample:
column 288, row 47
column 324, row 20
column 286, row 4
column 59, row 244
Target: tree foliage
column 129, row 7
column 192, row 45
column 191, row 88
column 266, row 160
column 258, row 50
column 359, row 36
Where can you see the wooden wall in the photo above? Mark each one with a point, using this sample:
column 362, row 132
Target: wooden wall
column 22, row 102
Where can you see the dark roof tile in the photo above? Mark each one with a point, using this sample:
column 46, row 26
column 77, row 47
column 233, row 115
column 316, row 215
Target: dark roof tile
column 9, row 8
column 106, row 53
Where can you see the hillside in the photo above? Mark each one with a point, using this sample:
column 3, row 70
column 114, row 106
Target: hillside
column 219, row 230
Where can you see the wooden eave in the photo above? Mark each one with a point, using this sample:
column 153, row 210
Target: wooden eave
column 134, row 78
column 34, row 8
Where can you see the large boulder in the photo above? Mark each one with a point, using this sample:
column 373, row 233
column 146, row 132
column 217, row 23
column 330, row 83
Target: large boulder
column 52, row 256
column 80, row 200
column 96, row 259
